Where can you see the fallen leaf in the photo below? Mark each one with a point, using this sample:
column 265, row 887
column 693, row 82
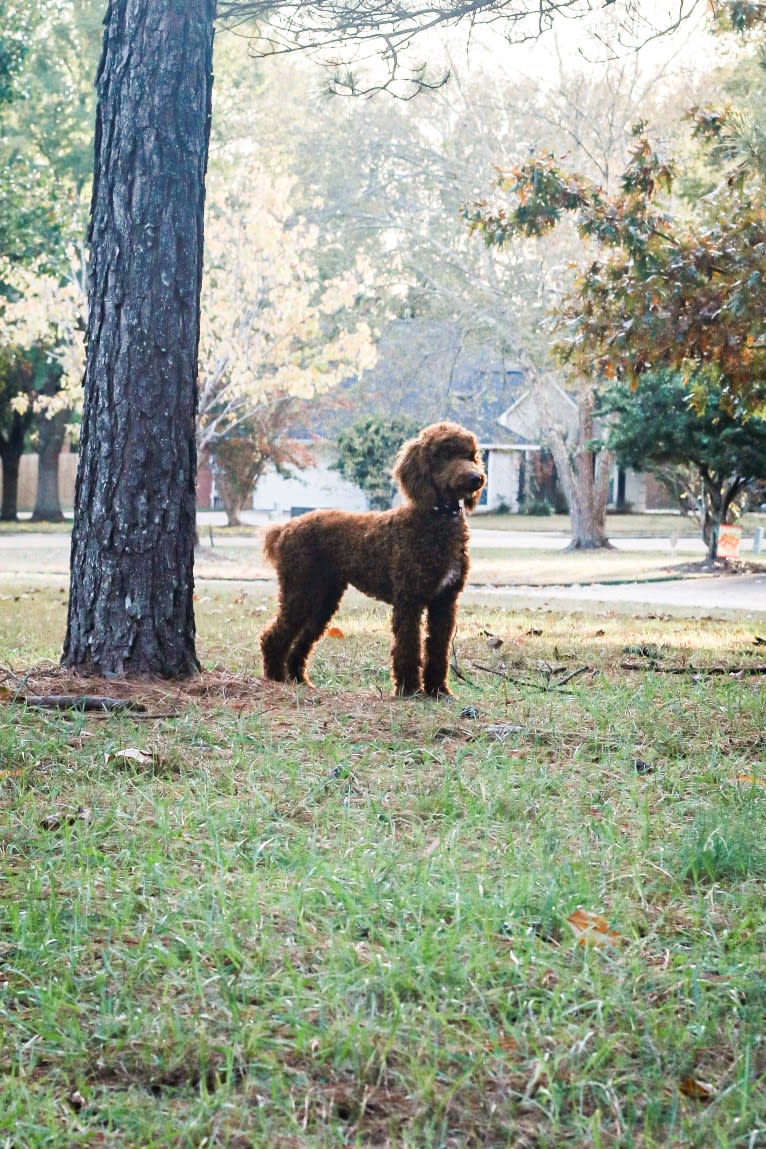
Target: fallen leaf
column 549, row 979
column 699, row 1090
column 56, row 821
column 334, row 632
column 748, row 780
column 592, row 929
column 132, row 754
column 506, row 1043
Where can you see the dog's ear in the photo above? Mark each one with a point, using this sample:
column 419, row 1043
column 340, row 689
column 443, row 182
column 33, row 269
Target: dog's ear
column 413, row 474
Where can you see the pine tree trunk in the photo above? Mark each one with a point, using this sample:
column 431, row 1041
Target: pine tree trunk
column 130, row 609
column 51, row 432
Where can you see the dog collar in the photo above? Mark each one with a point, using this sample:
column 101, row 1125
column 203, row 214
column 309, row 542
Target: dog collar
column 450, row 510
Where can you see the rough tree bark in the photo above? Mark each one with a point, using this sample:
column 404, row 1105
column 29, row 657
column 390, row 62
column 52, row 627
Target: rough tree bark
column 130, row 609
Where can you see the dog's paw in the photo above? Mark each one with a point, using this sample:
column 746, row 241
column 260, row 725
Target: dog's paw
column 440, row 691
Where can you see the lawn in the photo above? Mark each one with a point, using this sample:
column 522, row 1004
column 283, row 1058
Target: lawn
column 256, row 915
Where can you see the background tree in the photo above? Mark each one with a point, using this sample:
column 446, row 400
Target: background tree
column 589, row 116
column 266, row 439
column 46, row 157
column 42, row 324
column 16, row 379
column 663, row 290
column 46, row 128
column 659, row 425
column 277, row 334
column 366, row 453
column 132, row 547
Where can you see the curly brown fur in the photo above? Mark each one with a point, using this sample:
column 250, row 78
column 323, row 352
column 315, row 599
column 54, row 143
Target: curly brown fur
column 414, row 557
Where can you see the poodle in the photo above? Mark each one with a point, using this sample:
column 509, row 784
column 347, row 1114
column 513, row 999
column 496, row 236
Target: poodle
column 414, row 557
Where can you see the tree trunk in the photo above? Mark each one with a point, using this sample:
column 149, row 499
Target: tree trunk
column 583, row 474
column 130, row 609
column 719, row 494
column 11, row 450
column 232, row 500
column 240, row 463
column 9, row 509
column 51, row 433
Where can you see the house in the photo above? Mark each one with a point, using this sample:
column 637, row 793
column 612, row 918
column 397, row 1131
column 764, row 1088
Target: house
column 525, row 419
column 425, row 372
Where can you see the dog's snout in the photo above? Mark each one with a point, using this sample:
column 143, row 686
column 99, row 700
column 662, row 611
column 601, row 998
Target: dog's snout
column 476, row 481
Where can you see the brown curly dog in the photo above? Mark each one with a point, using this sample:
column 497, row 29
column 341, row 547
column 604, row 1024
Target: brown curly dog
column 415, row 557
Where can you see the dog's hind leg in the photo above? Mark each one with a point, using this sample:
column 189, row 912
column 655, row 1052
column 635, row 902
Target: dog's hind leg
column 279, row 636
column 275, row 642
column 317, row 612
column 440, row 627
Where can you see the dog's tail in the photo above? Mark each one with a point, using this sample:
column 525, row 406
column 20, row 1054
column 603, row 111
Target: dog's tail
column 271, row 543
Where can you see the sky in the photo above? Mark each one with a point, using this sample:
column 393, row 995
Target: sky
column 588, row 41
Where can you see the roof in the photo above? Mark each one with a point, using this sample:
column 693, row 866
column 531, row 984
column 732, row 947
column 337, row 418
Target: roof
column 427, row 372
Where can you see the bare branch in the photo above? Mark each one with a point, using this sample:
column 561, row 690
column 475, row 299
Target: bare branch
column 381, row 31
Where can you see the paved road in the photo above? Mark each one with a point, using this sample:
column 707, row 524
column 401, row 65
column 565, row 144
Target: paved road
column 48, row 555
column 722, row 594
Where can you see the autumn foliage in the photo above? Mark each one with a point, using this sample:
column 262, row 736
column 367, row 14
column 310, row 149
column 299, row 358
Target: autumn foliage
column 665, row 286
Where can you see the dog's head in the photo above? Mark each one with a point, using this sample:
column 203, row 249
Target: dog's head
column 441, row 467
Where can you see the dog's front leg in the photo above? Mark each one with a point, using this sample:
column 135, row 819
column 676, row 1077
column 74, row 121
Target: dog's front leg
column 440, row 627
column 407, row 648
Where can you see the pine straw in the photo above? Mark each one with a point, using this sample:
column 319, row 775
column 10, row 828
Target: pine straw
column 207, row 692
column 218, row 691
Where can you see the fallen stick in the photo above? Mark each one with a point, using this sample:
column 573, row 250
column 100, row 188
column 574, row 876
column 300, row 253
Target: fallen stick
column 705, row 670
column 547, row 687
column 78, row 702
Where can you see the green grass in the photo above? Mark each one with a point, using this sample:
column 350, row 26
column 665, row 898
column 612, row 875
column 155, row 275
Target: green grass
column 326, row 918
